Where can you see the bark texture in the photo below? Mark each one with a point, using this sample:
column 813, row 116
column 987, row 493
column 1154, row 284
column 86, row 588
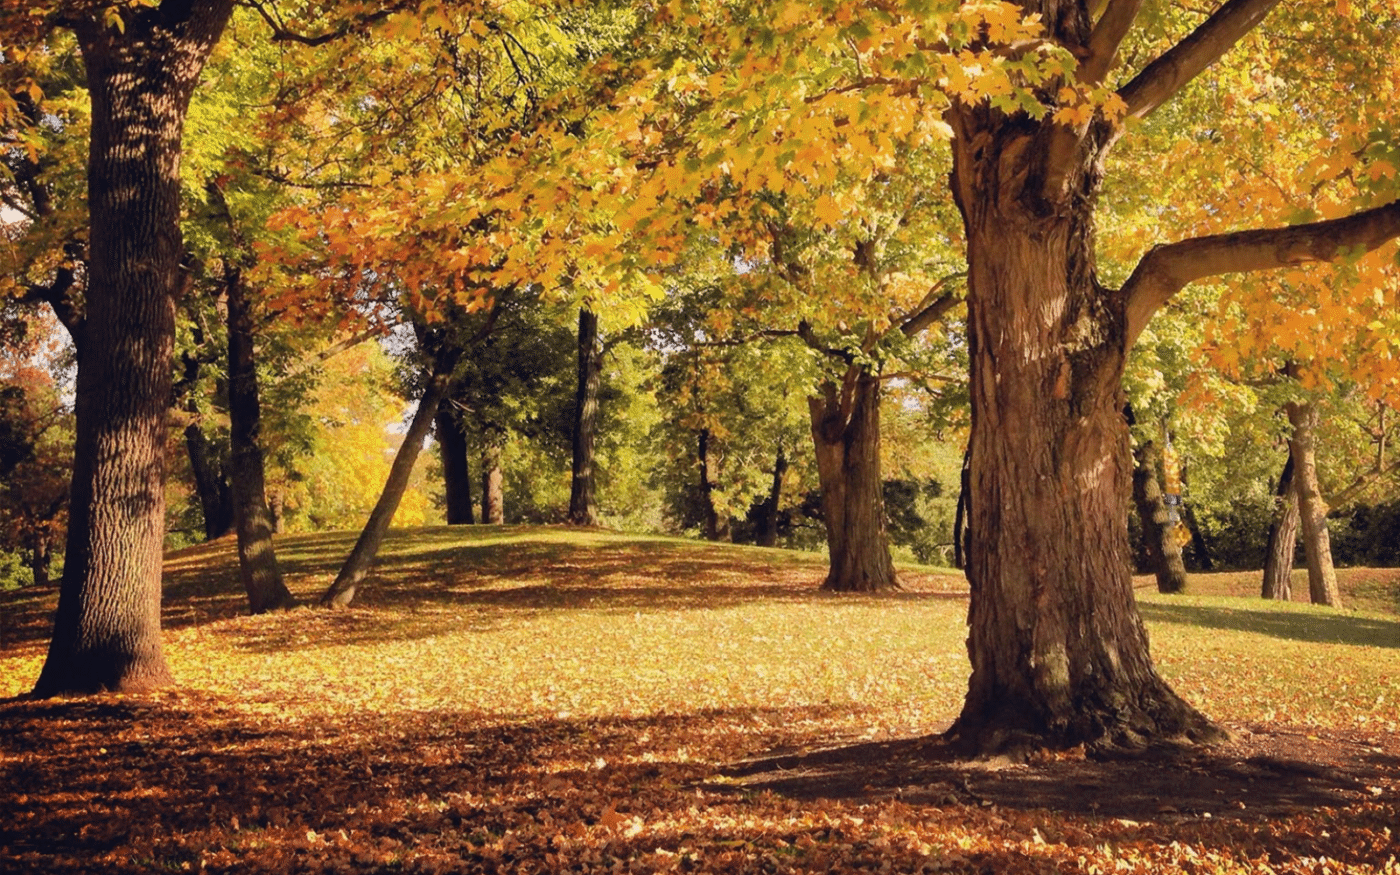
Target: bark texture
column 1283, row 539
column 342, row 591
column 583, row 508
column 1155, row 516
column 257, row 558
column 140, row 79
column 1312, row 510
column 846, row 433
column 1059, row 653
column 456, row 467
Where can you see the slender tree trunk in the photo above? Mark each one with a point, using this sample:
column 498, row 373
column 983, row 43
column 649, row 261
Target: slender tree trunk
column 140, row 78
column 1312, row 510
column 583, row 510
column 342, row 592
column 1059, row 653
column 716, row 520
column 1283, row 538
column 1155, row 516
column 493, row 511
column 456, row 467
column 768, row 526
column 257, row 559
column 215, row 494
column 846, row 433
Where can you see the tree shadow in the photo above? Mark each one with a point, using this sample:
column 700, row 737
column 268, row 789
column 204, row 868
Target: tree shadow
column 132, row 785
column 1317, row 628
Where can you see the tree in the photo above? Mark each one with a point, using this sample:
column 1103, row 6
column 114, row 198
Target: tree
column 141, row 73
column 1032, row 100
column 583, row 509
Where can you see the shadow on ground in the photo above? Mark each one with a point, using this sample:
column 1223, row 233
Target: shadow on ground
column 1262, row 772
column 1314, row 627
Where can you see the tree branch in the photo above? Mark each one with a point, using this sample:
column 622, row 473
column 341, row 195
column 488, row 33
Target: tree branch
column 1108, row 35
column 281, row 33
column 933, row 307
column 1187, row 59
column 1165, row 270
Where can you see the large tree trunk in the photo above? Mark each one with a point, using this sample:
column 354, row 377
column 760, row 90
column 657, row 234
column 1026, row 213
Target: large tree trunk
column 342, row 592
column 493, row 510
column 1059, row 653
column 257, row 560
column 456, row 467
column 768, row 525
column 1158, row 532
column 846, row 433
column 583, row 510
column 214, row 492
column 716, row 520
column 1283, row 539
column 140, row 78
column 1312, row 510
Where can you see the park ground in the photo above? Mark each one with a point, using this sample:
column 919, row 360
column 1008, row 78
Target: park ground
column 545, row 700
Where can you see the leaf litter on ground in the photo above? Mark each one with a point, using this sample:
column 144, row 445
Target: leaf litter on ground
column 548, row 700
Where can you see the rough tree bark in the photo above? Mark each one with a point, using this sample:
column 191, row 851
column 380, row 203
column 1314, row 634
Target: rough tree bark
column 583, row 509
column 846, row 432
column 1312, row 510
column 768, row 524
column 257, row 558
column 493, row 510
column 456, row 467
column 140, row 78
column 1283, row 539
column 1155, row 517
column 342, row 591
column 1059, row 654
column 716, row 521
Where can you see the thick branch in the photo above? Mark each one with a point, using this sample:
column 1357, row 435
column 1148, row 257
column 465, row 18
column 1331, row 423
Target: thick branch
column 1186, row 60
column 281, row 33
column 1108, row 35
column 933, row 307
column 1166, row 270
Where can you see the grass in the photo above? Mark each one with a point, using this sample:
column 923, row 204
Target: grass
column 544, row 688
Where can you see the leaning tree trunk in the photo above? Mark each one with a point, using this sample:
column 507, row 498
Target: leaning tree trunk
column 493, row 510
column 342, row 592
column 1200, row 550
column 768, row 525
column 456, row 467
column 846, row 434
column 1283, row 539
column 140, row 78
column 583, row 509
column 257, row 560
column 1312, row 510
column 1059, row 652
column 1157, row 531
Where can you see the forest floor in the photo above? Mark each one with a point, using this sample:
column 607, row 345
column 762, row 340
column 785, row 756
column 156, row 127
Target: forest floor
column 547, row 700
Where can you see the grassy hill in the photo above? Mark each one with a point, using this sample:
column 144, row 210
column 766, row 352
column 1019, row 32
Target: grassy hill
column 542, row 699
